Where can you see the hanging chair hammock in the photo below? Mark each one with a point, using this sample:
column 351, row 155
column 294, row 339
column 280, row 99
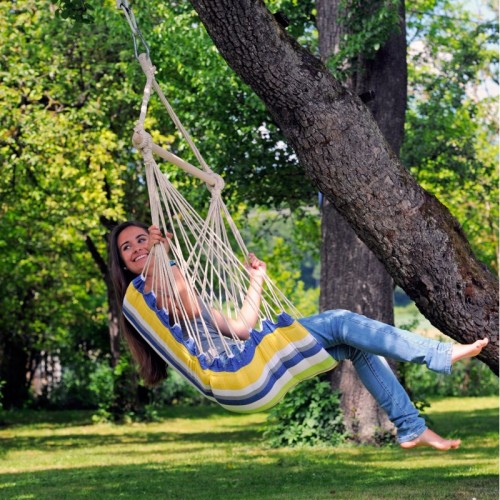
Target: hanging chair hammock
column 209, row 252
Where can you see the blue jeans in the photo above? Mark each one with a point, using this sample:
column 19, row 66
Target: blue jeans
column 346, row 335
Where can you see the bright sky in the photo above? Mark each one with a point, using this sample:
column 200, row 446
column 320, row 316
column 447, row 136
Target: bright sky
column 480, row 8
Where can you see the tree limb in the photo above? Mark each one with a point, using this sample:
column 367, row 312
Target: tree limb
column 343, row 151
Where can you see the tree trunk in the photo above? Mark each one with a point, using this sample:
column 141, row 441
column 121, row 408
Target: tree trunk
column 14, row 362
column 113, row 306
column 343, row 151
column 113, row 325
column 351, row 276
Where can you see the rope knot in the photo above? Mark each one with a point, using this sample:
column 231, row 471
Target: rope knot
column 217, row 186
column 142, row 140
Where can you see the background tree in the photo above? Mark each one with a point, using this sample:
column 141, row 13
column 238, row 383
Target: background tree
column 366, row 45
column 62, row 155
column 452, row 129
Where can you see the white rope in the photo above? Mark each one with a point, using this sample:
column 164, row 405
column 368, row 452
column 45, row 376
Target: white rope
column 146, row 67
column 214, row 273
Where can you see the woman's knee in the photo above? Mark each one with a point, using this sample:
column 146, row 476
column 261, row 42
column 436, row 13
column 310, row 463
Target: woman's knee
column 337, row 313
column 326, row 326
column 337, row 318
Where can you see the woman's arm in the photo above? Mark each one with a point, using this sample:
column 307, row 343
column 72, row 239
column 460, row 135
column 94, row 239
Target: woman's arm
column 188, row 305
column 248, row 315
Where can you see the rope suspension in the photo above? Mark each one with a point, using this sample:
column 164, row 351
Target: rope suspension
column 201, row 248
column 182, row 322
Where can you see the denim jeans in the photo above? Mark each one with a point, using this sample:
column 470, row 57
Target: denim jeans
column 347, row 335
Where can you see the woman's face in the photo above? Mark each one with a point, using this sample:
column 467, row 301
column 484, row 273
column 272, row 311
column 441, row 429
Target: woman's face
column 133, row 247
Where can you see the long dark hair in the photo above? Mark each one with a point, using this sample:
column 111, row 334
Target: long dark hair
column 152, row 368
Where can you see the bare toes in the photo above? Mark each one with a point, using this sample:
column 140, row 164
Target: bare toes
column 431, row 439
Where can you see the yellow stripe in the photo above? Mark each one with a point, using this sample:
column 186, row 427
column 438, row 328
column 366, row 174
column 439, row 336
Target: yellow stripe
column 325, row 366
column 266, row 350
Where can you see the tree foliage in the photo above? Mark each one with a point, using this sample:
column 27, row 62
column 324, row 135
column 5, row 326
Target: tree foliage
column 69, row 96
column 61, row 171
column 451, row 130
column 366, row 28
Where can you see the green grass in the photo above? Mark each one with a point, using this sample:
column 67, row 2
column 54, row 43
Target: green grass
column 206, row 453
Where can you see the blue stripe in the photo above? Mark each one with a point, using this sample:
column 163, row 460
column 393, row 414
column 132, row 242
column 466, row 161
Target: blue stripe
column 230, row 365
column 159, row 348
column 275, row 375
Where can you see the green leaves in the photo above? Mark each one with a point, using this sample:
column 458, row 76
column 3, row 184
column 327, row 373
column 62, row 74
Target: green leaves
column 78, row 10
column 61, row 158
column 309, row 415
column 367, row 26
column 451, row 130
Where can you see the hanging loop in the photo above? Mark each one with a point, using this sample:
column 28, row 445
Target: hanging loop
column 136, row 32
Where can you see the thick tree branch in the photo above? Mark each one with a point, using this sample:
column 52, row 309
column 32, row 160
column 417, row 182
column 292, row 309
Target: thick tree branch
column 342, row 150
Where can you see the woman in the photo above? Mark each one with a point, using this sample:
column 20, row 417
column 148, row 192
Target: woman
column 344, row 335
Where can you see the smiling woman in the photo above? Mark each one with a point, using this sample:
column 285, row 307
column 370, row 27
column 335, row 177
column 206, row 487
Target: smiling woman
column 160, row 317
column 133, row 245
column 213, row 314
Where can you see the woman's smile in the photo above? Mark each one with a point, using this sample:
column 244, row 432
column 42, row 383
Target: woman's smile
column 133, row 245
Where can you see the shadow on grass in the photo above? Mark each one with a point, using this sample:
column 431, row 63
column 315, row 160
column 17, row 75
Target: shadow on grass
column 129, row 437
column 304, row 478
column 250, row 471
column 69, row 418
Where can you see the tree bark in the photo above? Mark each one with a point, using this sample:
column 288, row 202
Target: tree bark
column 351, row 275
column 353, row 278
column 343, row 151
column 113, row 306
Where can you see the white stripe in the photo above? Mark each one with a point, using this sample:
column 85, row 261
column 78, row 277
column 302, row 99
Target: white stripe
column 272, row 364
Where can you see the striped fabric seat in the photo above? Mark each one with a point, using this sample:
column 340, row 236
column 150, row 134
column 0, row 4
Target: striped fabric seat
column 271, row 362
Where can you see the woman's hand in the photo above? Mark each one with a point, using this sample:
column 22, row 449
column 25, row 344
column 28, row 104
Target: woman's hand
column 156, row 236
column 248, row 315
column 256, row 267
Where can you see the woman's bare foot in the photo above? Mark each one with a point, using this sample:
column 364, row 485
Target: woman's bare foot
column 461, row 351
column 430, row 438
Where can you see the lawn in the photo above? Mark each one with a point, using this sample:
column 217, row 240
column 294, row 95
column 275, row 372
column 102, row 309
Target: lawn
column 207, row 453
